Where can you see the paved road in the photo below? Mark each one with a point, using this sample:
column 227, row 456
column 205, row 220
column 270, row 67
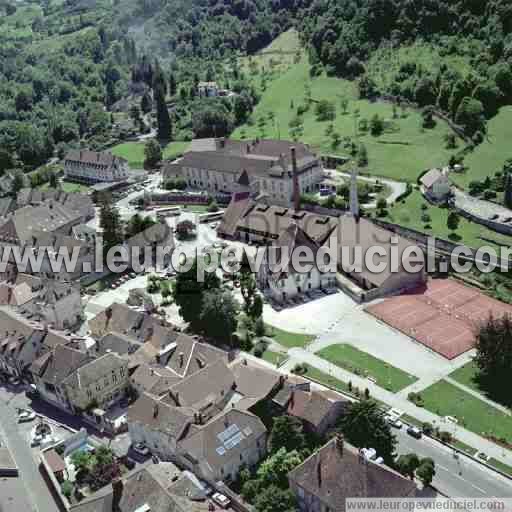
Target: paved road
column 35, row 487
column 458, row 477
column 399, row 402
column 397, row 187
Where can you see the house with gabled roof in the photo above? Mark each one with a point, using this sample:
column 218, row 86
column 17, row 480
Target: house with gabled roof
column 278, row 278
column 338, row 471
column 218, row 450
column 21, row 342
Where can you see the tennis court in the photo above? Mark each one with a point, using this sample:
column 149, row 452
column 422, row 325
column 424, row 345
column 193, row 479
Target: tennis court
column 444, row 315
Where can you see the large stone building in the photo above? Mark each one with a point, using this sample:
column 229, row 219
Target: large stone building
column 271, row 166
column 93, row 167
column 76, row 381
column 344, row 236
column 283, row 282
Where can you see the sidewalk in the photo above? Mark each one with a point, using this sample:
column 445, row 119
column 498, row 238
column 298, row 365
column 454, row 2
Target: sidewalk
column 399, row 402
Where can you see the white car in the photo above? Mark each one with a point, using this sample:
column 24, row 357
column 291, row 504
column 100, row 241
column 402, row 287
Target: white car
column 221, row 500
column 25, row 416
column 394, row 421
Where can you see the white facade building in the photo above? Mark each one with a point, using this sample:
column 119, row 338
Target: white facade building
column 93, row 167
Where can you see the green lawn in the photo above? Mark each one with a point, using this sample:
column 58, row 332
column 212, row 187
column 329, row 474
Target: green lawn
column 134, row 152
column 68, row 186
column 402, row 154
column 504, row 468
column 466, row 374
column 175, row 149
column 273, row 357
column 323, row 378
column 277, row 57
column 489, row 156
column 445, row 399
column 358, row 362
column 408, row 213
column 288, row 339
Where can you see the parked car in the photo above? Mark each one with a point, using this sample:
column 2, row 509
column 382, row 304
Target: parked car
column 141, row 449
column 221, row 500
column 24, row 416
column 414, row 432
column 394, row 421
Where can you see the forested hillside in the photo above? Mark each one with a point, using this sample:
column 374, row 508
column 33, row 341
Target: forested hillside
column 343, row 36
column 65, row 64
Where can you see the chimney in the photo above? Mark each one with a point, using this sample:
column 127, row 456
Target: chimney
column 319, row 472
column 200, row 362
column 296, row 189
column 155, row 410
column 117, row 494
column 354, row 199
column 248, row 149
column 182, row 359
column 339, row 442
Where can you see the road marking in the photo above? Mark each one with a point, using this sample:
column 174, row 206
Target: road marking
column 463, row 479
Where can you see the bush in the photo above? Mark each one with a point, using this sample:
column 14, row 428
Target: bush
column 415, row 398
column 445, row 436
column 428, row 428
column 259, row 327
column 66, row 488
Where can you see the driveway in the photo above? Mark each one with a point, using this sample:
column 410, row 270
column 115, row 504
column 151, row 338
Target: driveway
column 397, row 187
column 338, row 319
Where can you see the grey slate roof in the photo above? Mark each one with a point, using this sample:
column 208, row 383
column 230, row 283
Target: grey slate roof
column 59, row 363
column 160, row 416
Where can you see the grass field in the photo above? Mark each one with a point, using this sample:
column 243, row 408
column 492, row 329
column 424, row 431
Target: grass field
column 445, row 399
column 277, row 56
column 68, row 186
column 504, row 468
column 323, row 378
column 466, row 374
column 273, row 357
column 408, row 213
column 358, row 362
column 288, row 339
column 402, row 153
column 134, row 152
column 385, row 62
column 489, row 156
